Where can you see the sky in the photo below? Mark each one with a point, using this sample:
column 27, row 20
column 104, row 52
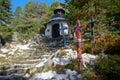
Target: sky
column 22, row 3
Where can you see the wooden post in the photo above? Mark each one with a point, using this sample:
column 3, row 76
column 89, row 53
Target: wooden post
column 78, row 44
column 92, row 33
column 78, row 34
column 38, row 31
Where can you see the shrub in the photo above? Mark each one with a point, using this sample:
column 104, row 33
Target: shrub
column 113, row 47
column 73, row 65
column 108, row 68
column 89, row 75
column 6, row 32
column 28, row 31
column 60, row 69
column 86, row 47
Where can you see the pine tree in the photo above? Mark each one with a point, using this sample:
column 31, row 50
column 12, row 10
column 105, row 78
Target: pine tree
column 5, row 12
column 30, row 12
column 18, row 16
column 18, row 12
column 105, row 10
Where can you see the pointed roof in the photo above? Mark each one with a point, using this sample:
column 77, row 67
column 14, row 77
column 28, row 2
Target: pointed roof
column 57, row 17
column 59, row 8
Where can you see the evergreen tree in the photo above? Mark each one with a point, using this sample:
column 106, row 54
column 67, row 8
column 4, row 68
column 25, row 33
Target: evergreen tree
column 30, row 12
column 43, row 12
column 18, row 12
column 5, row 12
column 18, row 15
column 103, row 10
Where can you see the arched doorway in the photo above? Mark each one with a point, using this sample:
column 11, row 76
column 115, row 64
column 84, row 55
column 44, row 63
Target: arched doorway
column 55, row 31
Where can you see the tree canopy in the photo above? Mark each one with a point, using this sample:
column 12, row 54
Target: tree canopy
column 36, row 13
column 83, row 9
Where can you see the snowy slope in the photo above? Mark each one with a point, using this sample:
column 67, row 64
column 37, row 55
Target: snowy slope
column 52, row 75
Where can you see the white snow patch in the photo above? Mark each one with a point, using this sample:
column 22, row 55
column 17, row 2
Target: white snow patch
column 88, row 57
column 33, row 60
column 41, row 63
column 85, row 56
column 11, row 53
column 15, row 47
column 4, row 50
column 69, row 75
column 71, row 53
column 27, row 75
column 23, row 47
column 41, row 76
column 2, row 55
column 61, row 61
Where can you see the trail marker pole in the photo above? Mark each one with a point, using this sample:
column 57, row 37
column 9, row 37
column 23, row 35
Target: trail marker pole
column 78, row 44
column 92, row 33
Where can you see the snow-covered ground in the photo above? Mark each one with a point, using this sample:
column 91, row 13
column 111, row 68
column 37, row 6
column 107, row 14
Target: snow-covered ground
column 52, row 75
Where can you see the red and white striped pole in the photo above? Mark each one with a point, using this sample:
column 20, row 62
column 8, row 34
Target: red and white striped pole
column 78, row 43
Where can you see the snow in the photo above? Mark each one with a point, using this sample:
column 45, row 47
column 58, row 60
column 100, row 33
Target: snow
column 41, row 64
column 12, row 48
column 33, row 60
column 61, row 61
column 70, row 54
column 73, row 55
column 66, row 59
column 69, row 75
column 23, row 47
column 2, row 55
column 4, row 50
column 26, row 75
column 88, row 57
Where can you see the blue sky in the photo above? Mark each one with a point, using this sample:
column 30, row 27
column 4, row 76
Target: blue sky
column 22, row 3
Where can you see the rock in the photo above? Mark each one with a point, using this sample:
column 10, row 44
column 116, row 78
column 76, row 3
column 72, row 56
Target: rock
column 3, row 72
column 13, row 77
column 17, row 77
column 4, row 78
column 16, row 70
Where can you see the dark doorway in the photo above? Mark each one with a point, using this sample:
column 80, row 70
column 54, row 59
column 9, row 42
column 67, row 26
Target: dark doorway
column 55, row 31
